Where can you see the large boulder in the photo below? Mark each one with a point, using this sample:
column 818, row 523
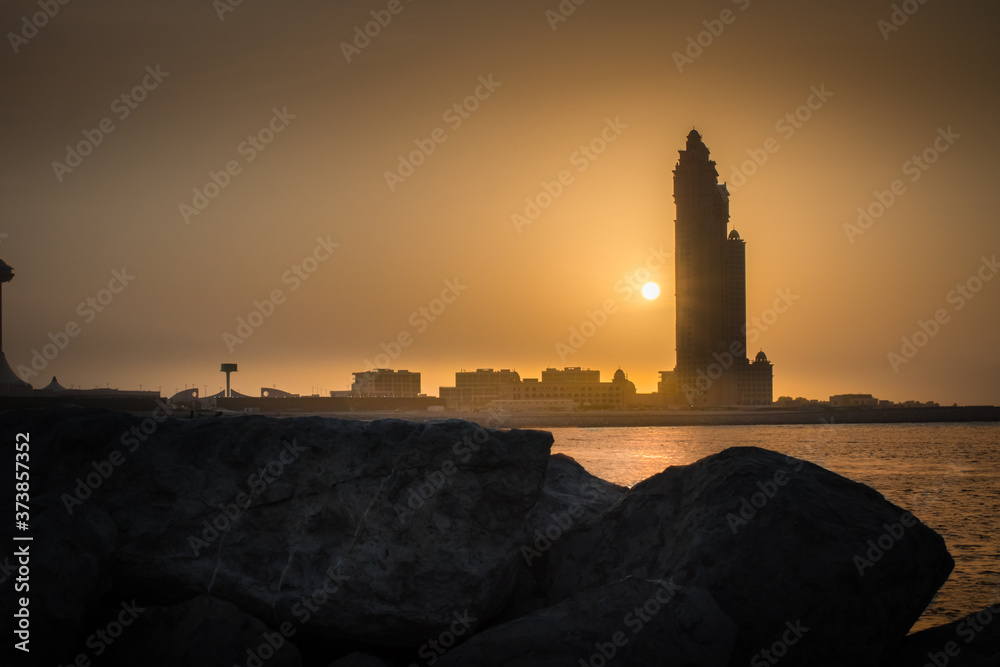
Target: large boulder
column 629, row 622
column 571, row 497
column 358, row 659
column 973, row 641
column 370, row 532
column 814, row 569
column 69, row 560
column 202, row 632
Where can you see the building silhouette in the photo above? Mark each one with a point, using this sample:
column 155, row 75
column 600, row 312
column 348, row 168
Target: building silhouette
column 710, row 265
column 581, row 386
column 386, row 383
column 10, row 383
column 567, row 389
column 475, row 390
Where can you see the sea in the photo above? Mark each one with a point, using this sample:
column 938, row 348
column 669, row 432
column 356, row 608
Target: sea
column 947, row 475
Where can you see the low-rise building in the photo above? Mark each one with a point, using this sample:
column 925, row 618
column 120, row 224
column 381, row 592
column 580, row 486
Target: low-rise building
column 475, row 390
column 853, row 401
column 582, row 386
column 385, row 383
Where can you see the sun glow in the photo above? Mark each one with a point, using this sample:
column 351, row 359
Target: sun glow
column 651, row 291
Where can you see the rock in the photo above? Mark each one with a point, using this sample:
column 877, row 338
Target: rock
column 358, row 660
column 800, row 558
column 368, row 532
column 69, row 560
column 630, row 622
column 973, row 641
column 571, row 497
column 203, row 632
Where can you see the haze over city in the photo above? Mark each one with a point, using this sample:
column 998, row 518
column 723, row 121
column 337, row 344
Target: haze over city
column 481, row 179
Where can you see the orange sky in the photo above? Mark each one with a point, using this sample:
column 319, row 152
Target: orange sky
column 267, row 92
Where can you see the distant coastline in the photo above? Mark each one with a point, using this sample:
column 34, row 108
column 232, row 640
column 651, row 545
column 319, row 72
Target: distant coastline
column 597, row 419
column 580, row 419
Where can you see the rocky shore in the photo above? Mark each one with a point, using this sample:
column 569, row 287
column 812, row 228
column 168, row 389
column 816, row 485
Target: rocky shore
column 257, row 541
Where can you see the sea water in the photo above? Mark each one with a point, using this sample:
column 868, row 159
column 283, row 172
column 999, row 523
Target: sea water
column 947, row 475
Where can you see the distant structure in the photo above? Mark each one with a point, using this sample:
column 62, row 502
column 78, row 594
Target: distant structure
column 188, row 396
column 270, row 392
column 712, row 365
column 53, row 387
column 853, row 401
column 227, row 369
column 475, row 390
column 9, row 382
column 571, row 388
column 386, row 383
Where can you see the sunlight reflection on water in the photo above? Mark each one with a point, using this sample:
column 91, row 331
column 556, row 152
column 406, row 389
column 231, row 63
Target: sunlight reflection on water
column 948, row 475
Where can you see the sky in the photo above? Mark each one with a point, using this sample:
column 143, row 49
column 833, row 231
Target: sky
column 470, row 183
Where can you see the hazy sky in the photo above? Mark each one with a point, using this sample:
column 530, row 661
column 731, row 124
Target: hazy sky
column 265, row 91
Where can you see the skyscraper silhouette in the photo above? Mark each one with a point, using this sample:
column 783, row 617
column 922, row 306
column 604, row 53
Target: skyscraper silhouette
column 712, row 365
column 9, row 382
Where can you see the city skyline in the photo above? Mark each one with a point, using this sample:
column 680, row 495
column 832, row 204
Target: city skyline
column 482, row 181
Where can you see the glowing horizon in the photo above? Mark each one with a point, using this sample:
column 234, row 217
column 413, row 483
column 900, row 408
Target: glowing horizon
column 476, row 183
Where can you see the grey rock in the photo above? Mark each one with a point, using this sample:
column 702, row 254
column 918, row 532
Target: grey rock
column 358, row 660
column 571, row 497
column 371, row 532
column 70, row 558
column 972, row 641
column 630, row 622
column 799, row 557
column 203, row 632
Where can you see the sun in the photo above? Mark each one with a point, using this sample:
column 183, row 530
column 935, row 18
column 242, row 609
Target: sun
column 651, row 291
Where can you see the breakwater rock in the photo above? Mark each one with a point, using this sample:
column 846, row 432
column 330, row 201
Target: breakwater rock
column 311, row 541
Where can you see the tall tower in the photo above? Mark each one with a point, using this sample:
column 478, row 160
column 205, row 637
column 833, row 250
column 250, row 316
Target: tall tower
column 9, row 382
column 712, row 365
